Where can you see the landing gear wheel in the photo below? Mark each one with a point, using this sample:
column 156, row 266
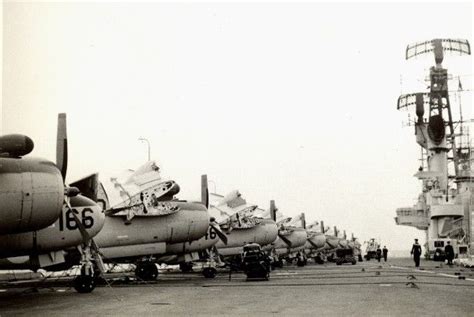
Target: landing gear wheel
column 301, row 263
column 84, row 283
column 318, row 260
column 146, row 271
column 186, row 267
column 209, row 272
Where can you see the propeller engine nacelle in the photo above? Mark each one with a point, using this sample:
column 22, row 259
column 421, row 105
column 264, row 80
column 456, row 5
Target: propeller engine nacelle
column 31, row 194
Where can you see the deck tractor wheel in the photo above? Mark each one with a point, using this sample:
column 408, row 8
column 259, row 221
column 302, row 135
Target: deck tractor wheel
column 146, row 271
column 267, row 276
column 186, row 267
column 279, row 263
column 84, row 283
column 209, row 272
column 318, row 260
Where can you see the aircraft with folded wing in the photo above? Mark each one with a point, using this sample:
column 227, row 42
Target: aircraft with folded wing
column 41, row 216
column 146, row 224
column 240, row 223
column 289, row 244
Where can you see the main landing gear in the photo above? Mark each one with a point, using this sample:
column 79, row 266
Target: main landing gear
column 209, row 272
column 301, row 260
column 146, row 271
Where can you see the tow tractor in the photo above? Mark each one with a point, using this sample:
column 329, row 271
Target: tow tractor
column 345, row 256
column 255, row 262
column 371, row 250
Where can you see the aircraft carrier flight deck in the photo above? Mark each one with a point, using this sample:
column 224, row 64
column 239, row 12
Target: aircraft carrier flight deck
column 367, row 288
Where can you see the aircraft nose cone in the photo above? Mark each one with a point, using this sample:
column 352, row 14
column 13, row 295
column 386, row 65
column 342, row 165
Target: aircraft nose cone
column 90, row 214
column 300, row 237
column 271, row 231
column 319, row 240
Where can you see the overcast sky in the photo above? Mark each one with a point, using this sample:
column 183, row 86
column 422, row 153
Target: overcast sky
column 292, row 102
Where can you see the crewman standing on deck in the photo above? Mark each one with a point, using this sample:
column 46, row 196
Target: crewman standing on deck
column 385, row 253
column 378, row 253
column 416, row 252
column 449, row 253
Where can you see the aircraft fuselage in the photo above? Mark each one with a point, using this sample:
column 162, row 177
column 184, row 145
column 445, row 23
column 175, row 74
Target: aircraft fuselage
column 263, row 233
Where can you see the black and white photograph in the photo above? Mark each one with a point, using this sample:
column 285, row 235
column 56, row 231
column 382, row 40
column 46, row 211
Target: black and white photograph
column 236, row 158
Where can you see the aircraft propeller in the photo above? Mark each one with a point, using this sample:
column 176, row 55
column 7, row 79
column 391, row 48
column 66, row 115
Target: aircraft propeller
column 70, row 191
column 273, row 210
column 205, row 201
column 214, row 225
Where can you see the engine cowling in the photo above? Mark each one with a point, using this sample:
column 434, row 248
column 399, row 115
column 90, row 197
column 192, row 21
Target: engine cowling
column 31, row 194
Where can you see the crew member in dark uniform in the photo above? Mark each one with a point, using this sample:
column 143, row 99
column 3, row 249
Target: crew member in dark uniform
column 449, row 253
column 379, row 253
column 385, row 253
column 416, row 252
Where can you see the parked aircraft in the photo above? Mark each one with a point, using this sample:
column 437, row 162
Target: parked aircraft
column 147, row 224
column 291, row 239
column 239, row 222
column 41, row 217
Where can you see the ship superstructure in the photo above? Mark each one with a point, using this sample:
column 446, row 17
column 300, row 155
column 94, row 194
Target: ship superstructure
column 445, row 205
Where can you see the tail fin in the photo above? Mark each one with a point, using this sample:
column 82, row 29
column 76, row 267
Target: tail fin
column 273, row 210
column 89, row 186
column 322, row 227
column 61, row 145
column 204, row 191
column 303, row 220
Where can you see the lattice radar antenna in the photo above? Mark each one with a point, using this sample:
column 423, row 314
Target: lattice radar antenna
column 438, row 47
column 437, row 99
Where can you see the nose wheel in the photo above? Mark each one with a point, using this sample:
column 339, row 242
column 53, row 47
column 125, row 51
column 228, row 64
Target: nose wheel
column 146, row 271
column 91, row 269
